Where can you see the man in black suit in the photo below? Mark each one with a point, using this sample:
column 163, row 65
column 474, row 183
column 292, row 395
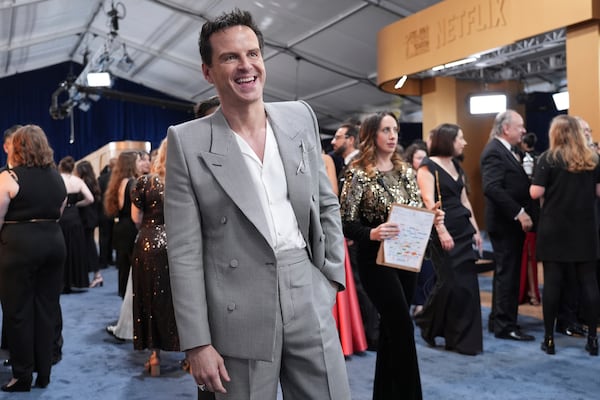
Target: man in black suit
column 506, row 190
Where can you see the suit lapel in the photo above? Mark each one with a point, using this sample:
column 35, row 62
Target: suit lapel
column 295, row 157
column 508, row 154
column 226, row 163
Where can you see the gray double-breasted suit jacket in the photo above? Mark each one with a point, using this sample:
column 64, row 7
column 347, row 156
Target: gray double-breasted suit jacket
column 222, row 267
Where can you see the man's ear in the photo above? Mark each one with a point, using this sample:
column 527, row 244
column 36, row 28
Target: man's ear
column 206, row 73
column 353, row 139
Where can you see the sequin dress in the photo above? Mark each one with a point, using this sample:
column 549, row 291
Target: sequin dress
column 153, row 316
column 365, row 203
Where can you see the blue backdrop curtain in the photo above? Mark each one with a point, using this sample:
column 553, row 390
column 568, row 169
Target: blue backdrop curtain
column 25, row 99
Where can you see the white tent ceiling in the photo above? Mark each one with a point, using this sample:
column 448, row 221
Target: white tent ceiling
column 322, row 51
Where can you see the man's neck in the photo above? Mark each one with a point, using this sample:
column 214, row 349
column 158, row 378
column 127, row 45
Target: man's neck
column 246, row 121
column 349, row 154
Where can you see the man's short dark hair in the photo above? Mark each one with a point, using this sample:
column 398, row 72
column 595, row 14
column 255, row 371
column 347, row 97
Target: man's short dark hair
column 9, row 132
column 224, row 21
column 529, row 139
column 201, row 109
column 351, row 131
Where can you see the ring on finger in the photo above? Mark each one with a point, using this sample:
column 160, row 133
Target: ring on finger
column 202, row 387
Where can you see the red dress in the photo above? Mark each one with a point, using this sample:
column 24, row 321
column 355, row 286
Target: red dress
column 346, row 312
column 528, row 255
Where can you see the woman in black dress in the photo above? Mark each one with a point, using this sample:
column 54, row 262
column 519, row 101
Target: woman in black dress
column 117, row 203
column 567, row 180
column 154, row 319
column 90, row 215
column 78, row 196
column 32, row 196
column 378, row 178
column 453, row 310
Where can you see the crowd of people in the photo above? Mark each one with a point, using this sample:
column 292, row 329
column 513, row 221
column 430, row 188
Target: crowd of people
column 233, row 242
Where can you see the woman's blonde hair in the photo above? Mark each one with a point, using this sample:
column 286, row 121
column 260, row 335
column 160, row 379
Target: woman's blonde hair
column 159, row 161
column 567, row 143
column 368, row 144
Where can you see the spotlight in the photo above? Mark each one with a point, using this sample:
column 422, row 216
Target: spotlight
column 487, row 103
column 400, row 82
column 84, row 105
column 98, row 79
column 561, row 100
column 125, row 63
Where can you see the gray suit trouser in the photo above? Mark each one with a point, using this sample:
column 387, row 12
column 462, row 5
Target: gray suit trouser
column 308, row 360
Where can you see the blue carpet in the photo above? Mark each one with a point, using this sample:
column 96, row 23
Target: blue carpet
column 96, row 366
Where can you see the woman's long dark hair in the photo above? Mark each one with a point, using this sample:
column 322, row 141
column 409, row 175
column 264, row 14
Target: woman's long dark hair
column 85, row 171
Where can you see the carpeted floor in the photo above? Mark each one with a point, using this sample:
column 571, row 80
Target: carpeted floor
column 96, row 366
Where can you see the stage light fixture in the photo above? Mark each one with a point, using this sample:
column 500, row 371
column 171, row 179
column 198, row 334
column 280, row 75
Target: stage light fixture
column 487, row 103
column 561, row 100
column 400, row 82
column 98, row 79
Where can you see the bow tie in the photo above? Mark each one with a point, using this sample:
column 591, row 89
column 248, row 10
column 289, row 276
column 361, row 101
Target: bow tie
column 515, row 151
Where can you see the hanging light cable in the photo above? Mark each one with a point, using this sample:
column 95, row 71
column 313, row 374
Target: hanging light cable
column 297, row 83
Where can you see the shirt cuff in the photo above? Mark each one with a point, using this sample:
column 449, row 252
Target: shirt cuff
column 521, row 211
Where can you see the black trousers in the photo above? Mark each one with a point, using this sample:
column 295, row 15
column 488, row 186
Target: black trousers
column 585, row 272
column 508, row 247
column 396, row 369
column 31, row 278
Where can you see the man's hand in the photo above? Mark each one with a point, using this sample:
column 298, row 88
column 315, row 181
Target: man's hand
column 208, row 368
column 526, row 222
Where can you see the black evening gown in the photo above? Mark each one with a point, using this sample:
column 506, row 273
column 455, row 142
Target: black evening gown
column 453, row 310
column 153, row 316
column 124, row 232
column 76, row 264
column 89, row 218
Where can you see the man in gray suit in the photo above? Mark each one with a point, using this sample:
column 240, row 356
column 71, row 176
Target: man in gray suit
column 254, row 234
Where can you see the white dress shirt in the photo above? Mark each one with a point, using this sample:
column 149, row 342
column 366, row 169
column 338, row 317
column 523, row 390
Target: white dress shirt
column 268, row 178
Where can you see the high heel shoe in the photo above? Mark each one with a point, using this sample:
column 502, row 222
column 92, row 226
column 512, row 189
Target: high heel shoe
column 17, row 385
column 153, row 365
column 97, row 281
column 111, row 329
column 592, row 345
column 534, row 301
column 548, row 345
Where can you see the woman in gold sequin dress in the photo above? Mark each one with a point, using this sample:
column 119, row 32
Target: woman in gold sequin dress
column 153, row 316
column 378, row 178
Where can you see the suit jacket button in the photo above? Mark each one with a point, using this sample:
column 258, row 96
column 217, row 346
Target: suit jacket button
column 234, row 263
column 223, row 220
column 230, row 306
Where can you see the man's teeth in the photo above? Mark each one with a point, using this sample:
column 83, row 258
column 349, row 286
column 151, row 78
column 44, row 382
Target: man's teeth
column 245, row 80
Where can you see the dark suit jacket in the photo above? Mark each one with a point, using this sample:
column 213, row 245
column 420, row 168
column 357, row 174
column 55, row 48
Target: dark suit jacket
column 505, row 187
